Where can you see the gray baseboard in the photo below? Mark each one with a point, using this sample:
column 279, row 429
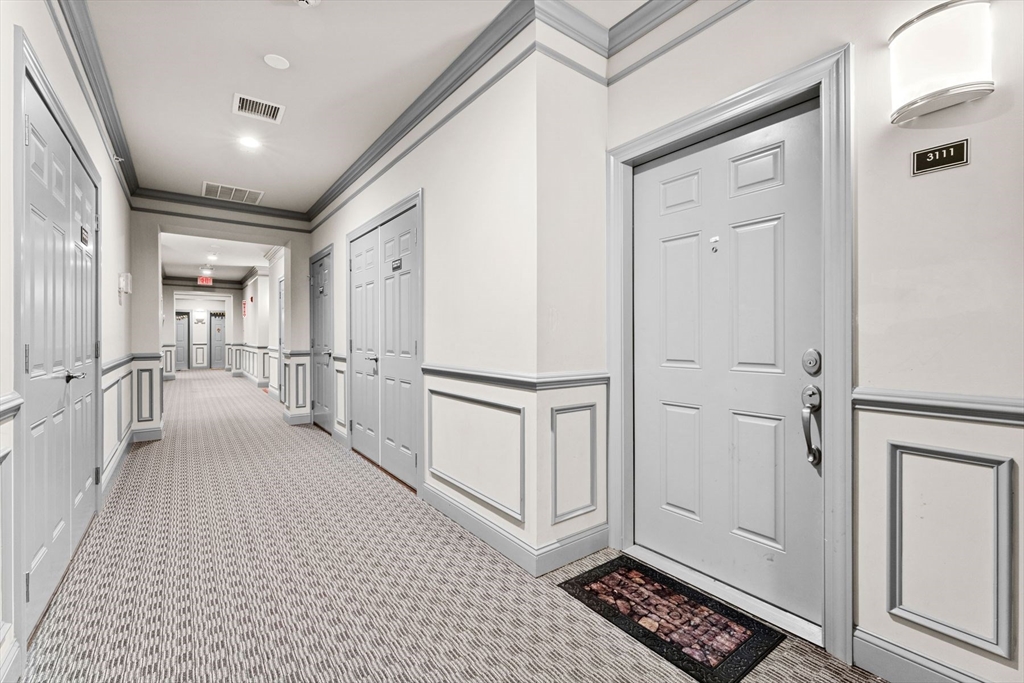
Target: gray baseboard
column 263, row 383
column 169, row 377
column 237, row 373
column 536, row 561
column 301, row 419
column 114, row 470
column 341, row 437
column 900, row 665
column 152, row 434
column 274, row 394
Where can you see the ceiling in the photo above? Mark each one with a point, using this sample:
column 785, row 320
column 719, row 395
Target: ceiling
column 356, row 65
column 607, row 12
column 183, row 255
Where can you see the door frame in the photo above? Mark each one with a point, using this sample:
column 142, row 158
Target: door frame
column 326, row 251
column 28, row 72
column 413, row 202
column 828, row 78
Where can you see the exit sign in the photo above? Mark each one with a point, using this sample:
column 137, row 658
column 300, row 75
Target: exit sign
column 204, row 280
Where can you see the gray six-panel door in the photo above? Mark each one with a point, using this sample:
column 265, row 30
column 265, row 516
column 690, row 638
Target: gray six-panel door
column 727, row 299
column 218, row 333
column 321, row 325
column 363, row 361
column 181, row 326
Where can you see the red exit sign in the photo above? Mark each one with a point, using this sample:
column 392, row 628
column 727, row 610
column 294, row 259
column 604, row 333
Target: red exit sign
column 204, row 280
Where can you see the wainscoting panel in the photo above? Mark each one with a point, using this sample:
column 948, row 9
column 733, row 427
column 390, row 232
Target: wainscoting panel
column 168, row 359
column 145, row 394
column 573, row 461
column 340, row 417
column 111, row 419
column 125, row 406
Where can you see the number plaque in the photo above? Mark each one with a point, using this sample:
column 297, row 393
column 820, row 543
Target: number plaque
column 938, row 158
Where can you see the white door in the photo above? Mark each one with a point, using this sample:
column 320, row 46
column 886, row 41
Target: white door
column 218, row 332
column 181, row 345
column 727, row 299
column 399, row 365
column 282, row 391
column 363, row 359
column 59, row 414
column 321, row 325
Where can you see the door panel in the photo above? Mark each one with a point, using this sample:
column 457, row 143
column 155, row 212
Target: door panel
column 321, row 326
column 727, row 280
column 181, row 326
column 217, row 337
column 364, row 371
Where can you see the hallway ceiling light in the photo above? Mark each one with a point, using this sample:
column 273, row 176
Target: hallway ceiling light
column 213, row 257
column 276, row 62
column 940, row 58
column 206, row 270
column 250, row 143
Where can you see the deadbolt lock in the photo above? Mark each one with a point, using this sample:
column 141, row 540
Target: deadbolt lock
column 812, row 362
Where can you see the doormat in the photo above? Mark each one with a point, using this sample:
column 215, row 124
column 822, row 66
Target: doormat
column 710, row 641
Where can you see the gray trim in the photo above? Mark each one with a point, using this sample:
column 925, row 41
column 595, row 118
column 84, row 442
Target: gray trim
column 161, row 212
column 147, row 356
column 151, row 434
column 286, row 386
column 518, row 515
column 210, row 203
column 642, row 21
column 251, row 346
column 10, row 404
column 592, row 504
column 575, row 66
column 169, row 377
column 510, row 21
column 117, row 363
column 1002, row 561
column 515, row 380
column 827, row 77
column 302, row 419
column 340, row 359
column 185, row 282
column 296, row 354
column 932, row 404
column 138, row 380
column 76, row 14
column 112, row 470
column 535, row 561
column 568, row 20
column 341, row 437
column 900, row 665
column 300, row 384
column 516, row 61
column 676, row 42
column 237, row 373
column 124, row 429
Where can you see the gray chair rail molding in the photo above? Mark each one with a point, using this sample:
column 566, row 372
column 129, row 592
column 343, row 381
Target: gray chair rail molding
column 516, row 380
column 955, row 406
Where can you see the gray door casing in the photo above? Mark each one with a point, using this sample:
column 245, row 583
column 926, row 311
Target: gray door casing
column 281, row 389
column 70, row 414
column 401, row 368
column 218, row 336
column 827, row 77
column 727, row 297
column 182, row 326
column 321, row 342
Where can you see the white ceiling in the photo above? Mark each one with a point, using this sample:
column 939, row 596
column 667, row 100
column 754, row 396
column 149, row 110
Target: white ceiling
column 183, row 255
column 356, row 65
column 607, row 12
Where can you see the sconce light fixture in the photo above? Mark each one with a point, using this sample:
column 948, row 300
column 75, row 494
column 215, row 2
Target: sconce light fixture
column 941, row 57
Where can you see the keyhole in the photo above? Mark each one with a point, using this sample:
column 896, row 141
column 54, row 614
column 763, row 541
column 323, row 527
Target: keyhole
column 714, row 250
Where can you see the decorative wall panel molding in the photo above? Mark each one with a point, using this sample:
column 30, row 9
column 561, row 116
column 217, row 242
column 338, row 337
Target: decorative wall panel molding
column 1001, row 472
column 931, row 404
column 531, row 382
column 300, row 385
column 145, row 394
column 515, row 510
column 10, row 404
column 557, row 513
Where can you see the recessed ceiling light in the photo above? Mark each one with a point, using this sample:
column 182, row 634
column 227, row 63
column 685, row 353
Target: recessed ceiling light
column 276, row 61
column 213, row 257
column 206, row 270
column 251, row 143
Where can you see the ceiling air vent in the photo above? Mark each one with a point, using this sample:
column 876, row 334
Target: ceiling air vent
column 257, row 109
column 231, row 194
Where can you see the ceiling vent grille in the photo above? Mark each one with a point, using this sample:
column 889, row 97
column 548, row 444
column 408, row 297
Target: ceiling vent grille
column 258, row 109
column 231, row 194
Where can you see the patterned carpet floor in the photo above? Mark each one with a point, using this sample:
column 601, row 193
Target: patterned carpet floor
column 241, row 549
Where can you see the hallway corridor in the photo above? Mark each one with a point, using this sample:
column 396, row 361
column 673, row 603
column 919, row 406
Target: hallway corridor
column 238, row 548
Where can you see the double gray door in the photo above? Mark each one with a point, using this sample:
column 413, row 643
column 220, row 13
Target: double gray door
column 60, row 389
column 218, row 331
column 384, row 363
column 727, row 299
column 321, row 323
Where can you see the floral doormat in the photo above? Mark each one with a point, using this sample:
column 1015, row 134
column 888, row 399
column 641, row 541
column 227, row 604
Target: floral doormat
column 712, row 642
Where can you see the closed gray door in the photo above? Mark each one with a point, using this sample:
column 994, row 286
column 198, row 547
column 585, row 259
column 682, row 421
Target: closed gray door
column 321, row 326
column 363, row 360
column 200, row 339
column 47, row 417
column 399, row 365
column 180, row 341
column 83, row 399
column 282, row 390
column 218, row 332
column 727, row 298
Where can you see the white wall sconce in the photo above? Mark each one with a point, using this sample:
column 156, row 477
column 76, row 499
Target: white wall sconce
column 124, row 286
column 940, row 58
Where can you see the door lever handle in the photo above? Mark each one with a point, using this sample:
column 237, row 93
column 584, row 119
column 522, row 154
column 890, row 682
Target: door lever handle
column 811, row 396
column 71, row 375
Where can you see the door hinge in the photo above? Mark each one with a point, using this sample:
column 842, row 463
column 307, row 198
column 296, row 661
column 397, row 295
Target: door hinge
column 28, row 579
column 350, row 265
column 416, row 348
column 416, row 460
column 97, row 349
column 350, row 346
column 26, row 130
column 97, row 476
column 26, row 357
column 350, row 425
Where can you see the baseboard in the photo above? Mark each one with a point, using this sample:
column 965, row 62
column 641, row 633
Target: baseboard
column 274, row 394
column 13, row 665
column 263, row 383
column 111, row 472
column 169, row 377
column 237, row 373
column 536, row 561
column 341, row 437
column 301, row 419
column 899, row 665
column 152, row 434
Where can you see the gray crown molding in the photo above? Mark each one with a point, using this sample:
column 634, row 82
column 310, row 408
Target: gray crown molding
column 211, row 203
column 900, row 665
column 1002, row 521
column 189, row 282
column 516, row 16
column 274, row 254
column 216, row 219
column 572, row 22
column 677, row 41
column 76, row 14
column 516, row 380
column 10, row 404
column 254, row 273
column 575, row 66
column 642, row 21
column 932, row 404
